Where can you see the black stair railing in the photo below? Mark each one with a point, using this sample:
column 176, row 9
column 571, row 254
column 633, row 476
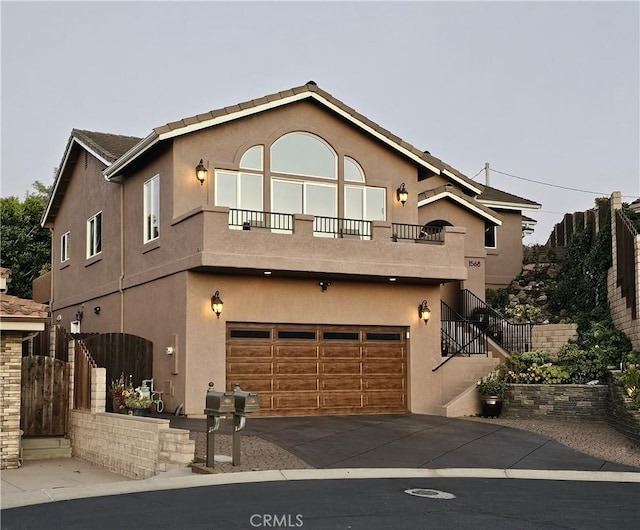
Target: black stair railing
column 510, row 336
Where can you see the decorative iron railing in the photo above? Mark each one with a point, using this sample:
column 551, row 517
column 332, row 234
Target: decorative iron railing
column 338, row 227
column 248, row 219
column 510, row 336
column 417, row 232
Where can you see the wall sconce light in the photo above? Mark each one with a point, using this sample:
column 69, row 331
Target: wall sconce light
column 402, row 193
column 201, row 172
column 97, row 309
column 424, row 311
column 216, row 303
column 79, row 316
column 324, row 285
column 170, row 350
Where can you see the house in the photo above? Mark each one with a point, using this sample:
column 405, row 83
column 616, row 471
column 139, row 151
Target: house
column 288, row 244
column 19, row 318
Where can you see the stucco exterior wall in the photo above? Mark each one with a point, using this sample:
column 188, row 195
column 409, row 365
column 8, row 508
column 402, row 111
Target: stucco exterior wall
column 504, row 262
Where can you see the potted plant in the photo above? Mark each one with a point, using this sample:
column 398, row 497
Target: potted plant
column 119, row 391
column 138, row 403
column 492, row 388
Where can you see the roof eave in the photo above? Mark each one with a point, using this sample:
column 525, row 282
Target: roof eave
column 509, row 205
column 462, row 202
column 141, row 147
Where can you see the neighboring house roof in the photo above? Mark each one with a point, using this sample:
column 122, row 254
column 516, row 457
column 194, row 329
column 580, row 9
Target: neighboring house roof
column 105, row 147
column 18, row 314
column 307, row 91
column 451, row 193
column 494, row 198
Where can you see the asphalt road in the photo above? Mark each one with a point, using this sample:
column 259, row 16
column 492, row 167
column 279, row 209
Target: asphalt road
column 367, row 504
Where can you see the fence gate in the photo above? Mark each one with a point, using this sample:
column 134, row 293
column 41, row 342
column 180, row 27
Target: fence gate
column 44, row 396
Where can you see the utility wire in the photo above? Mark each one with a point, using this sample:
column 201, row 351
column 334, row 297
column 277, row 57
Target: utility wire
column 481, row 170
column 557, row 185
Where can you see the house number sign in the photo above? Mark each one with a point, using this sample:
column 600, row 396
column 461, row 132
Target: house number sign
column 474, row 263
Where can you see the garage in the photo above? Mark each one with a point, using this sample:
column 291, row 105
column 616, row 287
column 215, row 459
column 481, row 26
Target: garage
column 306, row 369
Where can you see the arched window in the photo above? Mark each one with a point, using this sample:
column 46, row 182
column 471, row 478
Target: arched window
column 305, row 155
column 252, row 158
column 352, row 170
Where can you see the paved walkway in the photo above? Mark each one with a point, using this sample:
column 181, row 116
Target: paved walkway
column 385, row 446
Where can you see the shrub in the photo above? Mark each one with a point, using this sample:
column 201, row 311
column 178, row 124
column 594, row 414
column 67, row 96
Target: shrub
column 630, row 381
column 582, row 366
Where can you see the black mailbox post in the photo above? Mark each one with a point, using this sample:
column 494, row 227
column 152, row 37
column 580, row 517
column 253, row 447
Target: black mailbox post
column 245, row 403
column 217, row 404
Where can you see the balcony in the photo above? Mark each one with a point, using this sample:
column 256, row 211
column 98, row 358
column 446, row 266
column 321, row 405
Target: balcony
column 229, row 239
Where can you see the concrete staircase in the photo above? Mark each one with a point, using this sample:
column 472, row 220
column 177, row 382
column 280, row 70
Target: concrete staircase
column 45, row 447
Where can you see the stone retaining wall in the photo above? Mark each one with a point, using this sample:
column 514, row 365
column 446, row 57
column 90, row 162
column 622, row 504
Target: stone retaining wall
column 621, row 418
column 570, row 402
column 552, row 337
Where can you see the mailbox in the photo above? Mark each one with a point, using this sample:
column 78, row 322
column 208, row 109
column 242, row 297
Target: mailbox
column 246, row 402
column 219, row 402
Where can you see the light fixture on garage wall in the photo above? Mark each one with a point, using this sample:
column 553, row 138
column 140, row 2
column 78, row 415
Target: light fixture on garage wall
column 97, row 309
column 402, row 194
column 216, row 303
column 79, row 315
column 324, row 285
column 424, row 311
column 201, row 172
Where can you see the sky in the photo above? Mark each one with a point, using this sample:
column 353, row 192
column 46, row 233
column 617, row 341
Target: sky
column 542, row 91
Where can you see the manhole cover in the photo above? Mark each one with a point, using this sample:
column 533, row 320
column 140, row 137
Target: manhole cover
column 430, row 494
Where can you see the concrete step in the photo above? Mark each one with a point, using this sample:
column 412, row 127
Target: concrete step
column 42, row 448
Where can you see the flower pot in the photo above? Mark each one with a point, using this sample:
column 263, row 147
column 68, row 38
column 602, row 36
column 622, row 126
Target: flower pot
column 491, row 406
column 140, row 412
column 116, row 407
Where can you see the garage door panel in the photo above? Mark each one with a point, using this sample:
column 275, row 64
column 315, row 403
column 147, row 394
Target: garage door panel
column 339, row 400
column 236, row 369
column 386, row 351
column 384, row 383
column 338, row 367
column 250, row 383
column 248, row 351
column 296, row 384
column 341, row 383
column 383, row 367
column 299, row 401
column 340, row 352
column 297, row 368
column 385, row 400
column 297, row 352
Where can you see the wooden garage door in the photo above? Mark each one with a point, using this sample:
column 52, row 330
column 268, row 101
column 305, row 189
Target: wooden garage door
column 298, row 369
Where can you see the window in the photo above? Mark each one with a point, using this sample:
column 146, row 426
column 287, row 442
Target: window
column 64, row 247
column 352, row 170
column 290, row 196
column 490, row 235
column 365, row 203
column 151, row 209
column 303, row 154
column 94, row 235
column 252, row 158
column 239, row 190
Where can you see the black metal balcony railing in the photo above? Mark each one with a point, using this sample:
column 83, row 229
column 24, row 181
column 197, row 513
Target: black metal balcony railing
column 342, row 228
column 417, row 232
column 247, row 219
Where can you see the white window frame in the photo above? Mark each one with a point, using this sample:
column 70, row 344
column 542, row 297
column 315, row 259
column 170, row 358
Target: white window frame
column 334, row 177
column 150, row 188
column 365, row 216
column 92, row 234
column 238, row 176
column 64, row 247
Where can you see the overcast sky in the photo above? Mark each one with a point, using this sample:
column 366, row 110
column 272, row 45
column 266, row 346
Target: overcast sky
column 543, row 91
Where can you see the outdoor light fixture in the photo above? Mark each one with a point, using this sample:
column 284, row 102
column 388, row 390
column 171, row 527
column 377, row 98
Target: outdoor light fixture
column 402, row 193
column 424, row 311
column 216, row 303
column 79, row 316
column 324, row 285
column 97, row 309
column 201, row 172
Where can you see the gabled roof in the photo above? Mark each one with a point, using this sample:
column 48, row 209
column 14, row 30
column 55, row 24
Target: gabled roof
column 307, row 91
column 449, row 192
column 14, row 307
column 494, row 198
column 105, row 147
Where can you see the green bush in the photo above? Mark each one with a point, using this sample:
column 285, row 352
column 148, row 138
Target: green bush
column 609, row 342
column 582, row 366
column 630, row 381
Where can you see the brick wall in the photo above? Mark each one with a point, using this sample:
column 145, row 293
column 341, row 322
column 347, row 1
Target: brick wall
column 570, row 402
column 552, row 337
column 133, row 446
column 10, row 387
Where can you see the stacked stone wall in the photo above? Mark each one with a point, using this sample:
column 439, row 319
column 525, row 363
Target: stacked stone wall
column 565, row 402
column 552, row 337
column 10, row 387
column 620, row 416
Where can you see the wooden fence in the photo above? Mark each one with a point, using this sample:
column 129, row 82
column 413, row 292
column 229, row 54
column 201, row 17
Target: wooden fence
column 83, row 363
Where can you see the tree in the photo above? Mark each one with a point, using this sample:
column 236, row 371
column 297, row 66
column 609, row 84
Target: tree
column 25, row 247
